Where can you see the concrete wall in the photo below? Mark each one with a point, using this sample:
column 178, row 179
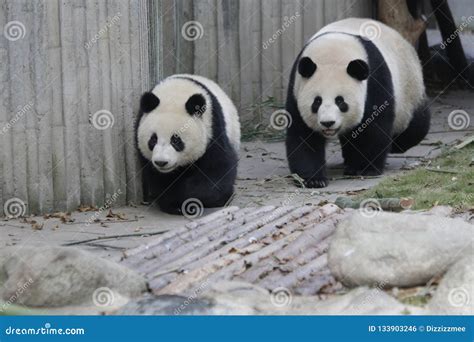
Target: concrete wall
column 72, row 71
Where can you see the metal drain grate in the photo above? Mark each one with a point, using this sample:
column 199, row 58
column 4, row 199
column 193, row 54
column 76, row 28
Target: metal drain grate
column 267, row 246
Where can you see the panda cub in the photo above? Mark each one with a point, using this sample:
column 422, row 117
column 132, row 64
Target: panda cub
column 188, row 136
column 369, row 93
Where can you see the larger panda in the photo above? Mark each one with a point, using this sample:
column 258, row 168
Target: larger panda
column 188, row 137
column 366, row 91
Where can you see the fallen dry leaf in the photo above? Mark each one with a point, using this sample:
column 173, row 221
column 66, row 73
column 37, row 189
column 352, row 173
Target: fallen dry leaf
column 119, row 216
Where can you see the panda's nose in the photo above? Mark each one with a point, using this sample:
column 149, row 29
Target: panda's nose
column 327, row 124
column 160, row 163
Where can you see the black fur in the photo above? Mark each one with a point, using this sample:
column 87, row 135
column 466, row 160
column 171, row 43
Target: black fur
column 210, row 178
column 358, row 69
column 365, row 148
column 196, row 105
column 415, row 132
column 306, row 67
column 305, row 148
column 343, row 106
column 148, row 102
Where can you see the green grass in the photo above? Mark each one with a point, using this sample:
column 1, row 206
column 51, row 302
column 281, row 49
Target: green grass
column 430, row 188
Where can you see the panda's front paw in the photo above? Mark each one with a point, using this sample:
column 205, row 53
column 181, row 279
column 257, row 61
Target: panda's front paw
column 316, row 183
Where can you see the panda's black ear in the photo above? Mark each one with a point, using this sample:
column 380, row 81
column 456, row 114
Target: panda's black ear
column 196, row 105
column 306, row 67
column 148, row 102
column 358, row 69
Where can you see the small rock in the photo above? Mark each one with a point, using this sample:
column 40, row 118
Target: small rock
column 455, row 293
column 389, row 249
column 61, row 276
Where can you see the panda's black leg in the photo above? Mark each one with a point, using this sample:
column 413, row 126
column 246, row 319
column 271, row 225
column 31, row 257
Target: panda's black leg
column 210, row 184
column 415, row 132
column 306, row 157
column 148, row 182
column 366, row 154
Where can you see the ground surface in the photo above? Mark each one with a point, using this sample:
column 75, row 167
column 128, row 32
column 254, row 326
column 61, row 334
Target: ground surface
column 263, row 180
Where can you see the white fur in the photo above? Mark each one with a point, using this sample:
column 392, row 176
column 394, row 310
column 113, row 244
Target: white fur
column 331, row 55
column 231, row 116
column 171, row 117
column 332, row 52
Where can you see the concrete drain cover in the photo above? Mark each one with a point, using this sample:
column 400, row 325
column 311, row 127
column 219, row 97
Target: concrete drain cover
column 272, row 247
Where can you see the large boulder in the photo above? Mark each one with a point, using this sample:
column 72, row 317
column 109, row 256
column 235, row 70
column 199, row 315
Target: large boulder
column 62, row 276
column 239, row 298
column 389, row 249
column 455, row 293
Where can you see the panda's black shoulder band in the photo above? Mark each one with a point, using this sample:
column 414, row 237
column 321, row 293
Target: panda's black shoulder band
column 149, row 102
column 196, row 105
column 306, row 67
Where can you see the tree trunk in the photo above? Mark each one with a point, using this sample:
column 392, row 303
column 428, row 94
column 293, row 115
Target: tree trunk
column 451, row 40
column 395, row 14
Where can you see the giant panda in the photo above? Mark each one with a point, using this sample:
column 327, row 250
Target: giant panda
column 188, row 137
column 367, row 91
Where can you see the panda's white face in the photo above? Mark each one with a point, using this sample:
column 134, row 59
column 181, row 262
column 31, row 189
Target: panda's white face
column 330, row 87
column 176, row 127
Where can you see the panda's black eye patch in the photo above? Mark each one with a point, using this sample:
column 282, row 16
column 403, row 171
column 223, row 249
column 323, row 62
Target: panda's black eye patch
column 196, row 105
column 177, row 143
column 306, row 67
column 358, row 69
column 148, row 102
column 316, row 104
column 152, row 142
column 343, row 106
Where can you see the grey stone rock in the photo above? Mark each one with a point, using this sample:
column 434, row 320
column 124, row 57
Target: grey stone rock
column 61, row 276
column 389, row 249
column 455, row 293
column 182, row 306
column 238, row 298
column 360, row 301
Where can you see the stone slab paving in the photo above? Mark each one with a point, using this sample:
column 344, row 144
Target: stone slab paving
column 262, row 180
